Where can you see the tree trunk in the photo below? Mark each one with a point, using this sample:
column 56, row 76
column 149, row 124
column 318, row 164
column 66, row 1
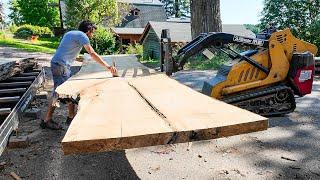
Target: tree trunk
column 1, row 13
column 205, row 16
column 176, row 8
column 60, row 15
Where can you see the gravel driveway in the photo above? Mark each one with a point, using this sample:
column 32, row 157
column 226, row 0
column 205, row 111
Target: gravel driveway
column 289, row 149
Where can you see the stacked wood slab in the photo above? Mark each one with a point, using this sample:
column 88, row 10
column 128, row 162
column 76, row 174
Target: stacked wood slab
column 12, row 66
column 6, row 68
column 145, row 110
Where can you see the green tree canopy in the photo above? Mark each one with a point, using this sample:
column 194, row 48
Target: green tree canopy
column 15, row 15
column 254, row 28
column 34, row 12
column 301, row 16
column 98, row 11
column 177, row 8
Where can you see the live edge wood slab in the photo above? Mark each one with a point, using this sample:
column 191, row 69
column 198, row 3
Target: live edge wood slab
column 145, row 110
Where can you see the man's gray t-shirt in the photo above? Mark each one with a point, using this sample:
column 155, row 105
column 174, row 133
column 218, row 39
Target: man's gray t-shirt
column 69, row 48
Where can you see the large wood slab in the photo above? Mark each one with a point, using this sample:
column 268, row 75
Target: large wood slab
column 113, row 116
column 188, row 110
column 127, row 65
column 122, row 113
column 92, row 74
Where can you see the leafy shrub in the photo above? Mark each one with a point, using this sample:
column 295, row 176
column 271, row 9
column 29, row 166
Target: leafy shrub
column 44, row 32
column 2, row 35
column 26, row 31
column 13, row 28
column 103, row 41
column 23, row 33
column 134, row 49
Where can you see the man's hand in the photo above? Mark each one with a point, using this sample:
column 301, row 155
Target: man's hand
column 113, row 71
column 99, row 60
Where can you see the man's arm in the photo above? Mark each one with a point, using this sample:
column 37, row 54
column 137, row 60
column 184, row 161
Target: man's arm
column 99, row 60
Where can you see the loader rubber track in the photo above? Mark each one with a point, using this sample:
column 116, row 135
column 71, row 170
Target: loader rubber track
column 271, row 101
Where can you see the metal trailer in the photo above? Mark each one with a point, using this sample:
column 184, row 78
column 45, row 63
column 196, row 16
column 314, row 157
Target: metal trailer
column 16, row 93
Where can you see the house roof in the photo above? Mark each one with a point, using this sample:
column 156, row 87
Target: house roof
column 182, row 19
column 237, row 29
column 181, row 31
column 147, row 13
column 128, row 30
column 148, row 2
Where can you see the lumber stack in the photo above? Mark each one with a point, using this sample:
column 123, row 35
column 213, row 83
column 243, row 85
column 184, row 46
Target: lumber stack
column 12, row 66
column 122, row 113
column 6, row 68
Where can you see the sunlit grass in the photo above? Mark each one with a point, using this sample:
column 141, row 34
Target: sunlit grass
column 44, row 45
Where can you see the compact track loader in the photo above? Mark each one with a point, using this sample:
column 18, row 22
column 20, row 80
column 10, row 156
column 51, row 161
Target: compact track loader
column 265, row 78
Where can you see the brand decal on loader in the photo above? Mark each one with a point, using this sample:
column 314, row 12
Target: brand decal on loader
column 248, row 41
column 305, row 75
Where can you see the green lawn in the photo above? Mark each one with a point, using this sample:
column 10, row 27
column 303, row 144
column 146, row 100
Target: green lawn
column 202, row 63
column 193, row 63
column 151, row 63
column 45, row 45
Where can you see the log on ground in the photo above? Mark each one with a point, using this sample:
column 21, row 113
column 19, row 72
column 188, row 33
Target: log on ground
column 12, row 66
column 6, row 68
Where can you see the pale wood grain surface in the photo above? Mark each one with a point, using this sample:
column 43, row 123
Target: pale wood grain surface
column 145, row 110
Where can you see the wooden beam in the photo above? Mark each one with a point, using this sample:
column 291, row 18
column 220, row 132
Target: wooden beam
column 27, row 78
column 9, row 99
column 5, row 111
column 15, row 84
column 12, row 91
column 123, row 113
column 29, row 74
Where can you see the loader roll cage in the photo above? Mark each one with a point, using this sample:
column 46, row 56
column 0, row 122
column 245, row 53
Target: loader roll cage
column 217, row 40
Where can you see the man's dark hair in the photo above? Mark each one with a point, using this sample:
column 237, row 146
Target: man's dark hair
column 86, row 26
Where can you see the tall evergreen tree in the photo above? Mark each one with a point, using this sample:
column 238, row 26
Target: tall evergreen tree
column 15, row 14
column 177, row 8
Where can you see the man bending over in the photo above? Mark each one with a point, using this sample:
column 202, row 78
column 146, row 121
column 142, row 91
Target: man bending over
column 69, row 48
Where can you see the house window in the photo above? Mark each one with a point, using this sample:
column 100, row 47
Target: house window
column 135, row 12
column 125, row 41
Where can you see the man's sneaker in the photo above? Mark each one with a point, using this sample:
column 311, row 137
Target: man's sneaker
column 68, row 121
column 50, row 125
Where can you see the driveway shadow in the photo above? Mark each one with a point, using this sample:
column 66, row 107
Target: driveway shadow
column 111, row 165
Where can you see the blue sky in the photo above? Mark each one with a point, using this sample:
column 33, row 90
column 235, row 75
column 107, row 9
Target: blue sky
column 236, row 11
column 240, row 11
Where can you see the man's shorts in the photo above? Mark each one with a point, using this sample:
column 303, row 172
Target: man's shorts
column 60, row 74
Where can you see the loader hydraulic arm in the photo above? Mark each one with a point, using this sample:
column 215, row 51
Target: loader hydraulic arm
column 219, row 41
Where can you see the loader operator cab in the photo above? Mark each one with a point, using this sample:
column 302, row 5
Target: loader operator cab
column 267, row 32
